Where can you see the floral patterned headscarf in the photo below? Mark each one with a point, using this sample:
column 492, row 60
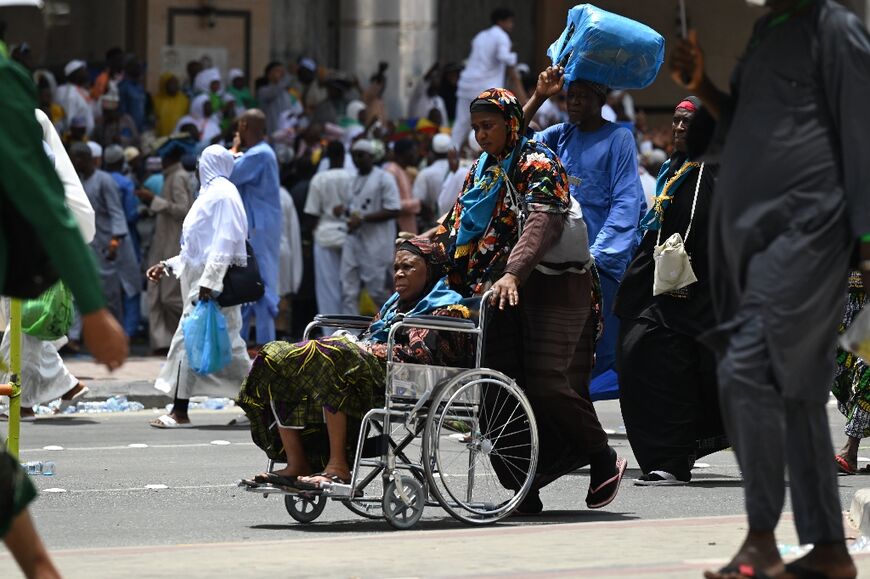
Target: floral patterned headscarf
column 504, row 101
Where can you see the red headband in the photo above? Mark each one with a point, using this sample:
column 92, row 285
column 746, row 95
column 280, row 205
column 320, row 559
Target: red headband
column 688, row 105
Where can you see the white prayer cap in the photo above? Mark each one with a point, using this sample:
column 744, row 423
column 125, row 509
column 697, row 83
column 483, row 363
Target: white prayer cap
column 365, row 146
column 354, row 108
column 96, row 150
column 308, row 63
column 441, row 143
column 113, row 154
column 73, row 66
column 234, row 74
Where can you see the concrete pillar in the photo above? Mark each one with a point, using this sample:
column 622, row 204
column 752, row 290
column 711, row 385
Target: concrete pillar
column 305, row 28
column 402, row 33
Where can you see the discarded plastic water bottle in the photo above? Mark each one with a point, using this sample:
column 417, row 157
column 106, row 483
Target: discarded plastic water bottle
column 214, row 404
column 39, row 467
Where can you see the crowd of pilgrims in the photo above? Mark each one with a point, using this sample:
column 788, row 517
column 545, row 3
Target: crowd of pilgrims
column 343, row 204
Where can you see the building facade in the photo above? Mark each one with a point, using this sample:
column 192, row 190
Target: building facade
column 351, row 35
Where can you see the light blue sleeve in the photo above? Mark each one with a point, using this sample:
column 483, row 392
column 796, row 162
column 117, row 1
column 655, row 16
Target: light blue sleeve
column 246, row 170
column 615, row 244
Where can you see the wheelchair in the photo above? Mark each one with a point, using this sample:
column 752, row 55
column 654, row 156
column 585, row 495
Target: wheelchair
column 464, row 439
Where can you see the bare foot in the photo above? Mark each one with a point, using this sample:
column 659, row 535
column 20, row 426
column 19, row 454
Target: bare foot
column 830, row 559
column 757, row 554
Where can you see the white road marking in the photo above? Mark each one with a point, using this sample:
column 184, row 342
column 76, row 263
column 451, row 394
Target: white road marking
column 125, row 447
column 133, row 489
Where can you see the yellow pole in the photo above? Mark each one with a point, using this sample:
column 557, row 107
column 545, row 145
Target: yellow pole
column 15, row 382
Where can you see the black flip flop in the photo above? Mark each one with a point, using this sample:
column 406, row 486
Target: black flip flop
column 802, row 572
column 604, row 493
column 333, row 478
column 275, row 479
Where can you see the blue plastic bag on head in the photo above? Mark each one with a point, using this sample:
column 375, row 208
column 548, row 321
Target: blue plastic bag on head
column 609, row 49
column 206, row 338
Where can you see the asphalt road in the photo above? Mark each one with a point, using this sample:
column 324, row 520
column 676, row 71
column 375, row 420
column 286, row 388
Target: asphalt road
column 108, row 503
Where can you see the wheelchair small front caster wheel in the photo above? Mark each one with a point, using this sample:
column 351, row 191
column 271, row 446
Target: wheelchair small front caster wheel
column 403, row 502
column 305, row 508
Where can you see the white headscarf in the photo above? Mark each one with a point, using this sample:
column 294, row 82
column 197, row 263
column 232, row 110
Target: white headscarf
column 208, row 127
column 216, row 227
column 197, row 107
column 203, row 80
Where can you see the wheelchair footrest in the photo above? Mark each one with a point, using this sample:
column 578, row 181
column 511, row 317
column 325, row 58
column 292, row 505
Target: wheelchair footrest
column 338, row 490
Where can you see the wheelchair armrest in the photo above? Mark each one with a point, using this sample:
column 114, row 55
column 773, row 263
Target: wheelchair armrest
column 441, row 322
column 343, row 321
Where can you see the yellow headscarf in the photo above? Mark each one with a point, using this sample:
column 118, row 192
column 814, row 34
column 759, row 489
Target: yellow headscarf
column 169, row 109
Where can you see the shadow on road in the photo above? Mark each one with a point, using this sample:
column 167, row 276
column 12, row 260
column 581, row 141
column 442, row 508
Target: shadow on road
column 716, row 483
column 221, row 427
column 555, row 517
column 64, row 420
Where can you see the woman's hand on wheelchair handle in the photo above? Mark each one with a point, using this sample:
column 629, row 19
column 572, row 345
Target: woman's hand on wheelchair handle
column 506, row 291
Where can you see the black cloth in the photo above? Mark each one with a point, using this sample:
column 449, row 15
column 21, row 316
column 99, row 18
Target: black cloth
column 691, row 314
column 791, row 196
column 546, row 343
column 668, row 396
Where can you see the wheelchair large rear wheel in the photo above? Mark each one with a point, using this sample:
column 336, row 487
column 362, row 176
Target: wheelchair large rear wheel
column 480, row 446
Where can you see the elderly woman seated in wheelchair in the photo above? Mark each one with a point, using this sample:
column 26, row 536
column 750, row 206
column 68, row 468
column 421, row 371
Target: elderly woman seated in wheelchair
column 333, row 382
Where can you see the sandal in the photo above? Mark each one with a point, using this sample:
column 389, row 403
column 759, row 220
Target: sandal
column 275, row 479
column 603, row 494
column 21, row 417
column 843, row 465
column 72, row 400
column 167, row 421
column 317, row 485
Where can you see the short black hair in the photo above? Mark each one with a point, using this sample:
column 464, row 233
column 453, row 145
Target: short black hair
column 335, row 150
column 403, row 146
column 270, row 66
column 500, row 14
column 114, row 52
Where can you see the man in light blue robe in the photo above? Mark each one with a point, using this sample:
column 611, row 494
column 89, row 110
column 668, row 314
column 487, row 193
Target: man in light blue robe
column 600, row 158
column 257, row 178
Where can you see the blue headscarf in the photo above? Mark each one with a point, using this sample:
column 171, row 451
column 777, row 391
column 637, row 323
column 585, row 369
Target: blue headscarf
column 440, row 296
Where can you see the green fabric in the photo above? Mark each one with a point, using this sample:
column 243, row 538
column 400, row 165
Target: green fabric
column 16, row 490
column 865, row 238
column 243, row 96
column 30, row 182
column 851, row 386
column 295, row 381
column 49, row 316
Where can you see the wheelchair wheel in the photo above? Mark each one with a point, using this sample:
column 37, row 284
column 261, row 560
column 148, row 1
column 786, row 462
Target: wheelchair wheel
column 305, row 508
column 480, row 446
column 403, row 506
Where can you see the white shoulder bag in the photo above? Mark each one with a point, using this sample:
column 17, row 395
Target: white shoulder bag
column 573, row 245
column 673, row 266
